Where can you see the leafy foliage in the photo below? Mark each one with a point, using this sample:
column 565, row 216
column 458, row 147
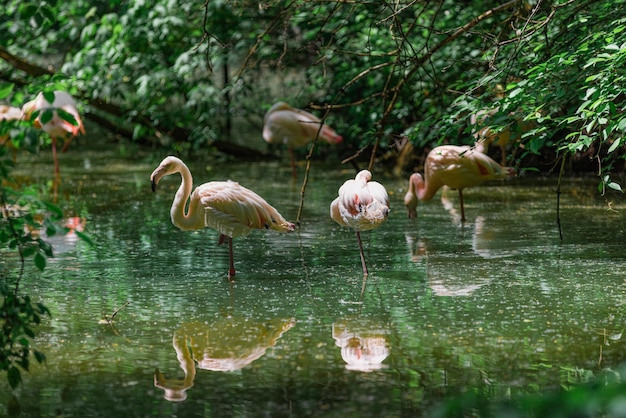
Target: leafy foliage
column 24, row 217
column 381, row 70
column 18, row 317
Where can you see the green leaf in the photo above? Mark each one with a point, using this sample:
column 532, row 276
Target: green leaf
column 49, row 96
column 85, row 238
column 66, row 116
column 39, row 356
column 14, row 376
column 5, row 91
column 40, row 261
column 46, row 116
column 27, row 11
column 614, row 186
column 615, row 144
column 48, row 14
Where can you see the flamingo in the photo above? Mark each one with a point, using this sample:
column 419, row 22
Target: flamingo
column 284, row 124
column 8, row 115
column 454, row 166
column 362, row 205
column 230, row 209
column 511, row 133
column 58, row 123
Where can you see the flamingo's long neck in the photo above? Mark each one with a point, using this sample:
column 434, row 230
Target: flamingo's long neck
column 185, row 219
column 421, row 190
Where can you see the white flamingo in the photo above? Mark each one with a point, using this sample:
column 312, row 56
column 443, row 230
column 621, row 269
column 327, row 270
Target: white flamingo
column 293, row 127
column 230, row 209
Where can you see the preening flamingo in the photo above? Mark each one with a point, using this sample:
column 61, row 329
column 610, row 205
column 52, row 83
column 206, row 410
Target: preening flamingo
column 284, row 124
column 55, row 118
column 230, row 209
column 454, row 166
column 362, row 205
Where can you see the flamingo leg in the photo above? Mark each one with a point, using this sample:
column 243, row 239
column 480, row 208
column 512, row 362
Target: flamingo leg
column 462, row 206
column 358, row 237
column 67, row 144
column 57, row 171
column 231, row 262
column 293, row 163
column 231, row 266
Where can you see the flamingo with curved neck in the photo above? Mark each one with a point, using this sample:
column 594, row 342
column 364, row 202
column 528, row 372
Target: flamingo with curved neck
column 229, row 208
column 454, row 166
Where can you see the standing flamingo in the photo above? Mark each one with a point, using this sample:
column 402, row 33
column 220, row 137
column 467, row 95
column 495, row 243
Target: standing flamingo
column 9, row 115
column 230, row 209
column 510, row 134
column 284, row 124
column 55, row 118
column 362, row 205
column 454, row 166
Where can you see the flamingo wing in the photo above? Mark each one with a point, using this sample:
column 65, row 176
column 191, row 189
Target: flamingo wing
column 234, row 211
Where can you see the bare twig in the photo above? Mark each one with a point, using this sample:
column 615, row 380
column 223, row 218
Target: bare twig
column 108, row 320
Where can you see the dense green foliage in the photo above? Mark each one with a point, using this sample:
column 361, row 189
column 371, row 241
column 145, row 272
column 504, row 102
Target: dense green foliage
column 182, row 74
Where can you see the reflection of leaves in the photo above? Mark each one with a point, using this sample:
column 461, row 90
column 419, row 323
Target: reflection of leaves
column 85, row 238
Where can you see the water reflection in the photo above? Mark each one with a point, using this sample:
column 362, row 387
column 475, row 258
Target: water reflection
column 363, row 343
column 457, row 274
column 226, row 345
column 64, row 243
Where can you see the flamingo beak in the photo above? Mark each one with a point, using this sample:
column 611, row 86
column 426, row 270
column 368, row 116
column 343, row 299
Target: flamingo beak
column 153, row 184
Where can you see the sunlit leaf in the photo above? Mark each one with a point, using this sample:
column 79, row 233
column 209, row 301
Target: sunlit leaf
column 5, row 91
column 615, row 144
column 614, row 186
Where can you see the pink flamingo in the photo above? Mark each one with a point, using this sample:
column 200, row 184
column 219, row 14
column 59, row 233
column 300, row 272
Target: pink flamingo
column 362, row 205
column 284, row 124
column 9, row 115
column 510, row 134
column 230, row 209
column 454, row 166
column 56, row 123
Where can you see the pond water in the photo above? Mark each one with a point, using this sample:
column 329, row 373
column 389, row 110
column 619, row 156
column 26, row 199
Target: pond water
column 497, row 304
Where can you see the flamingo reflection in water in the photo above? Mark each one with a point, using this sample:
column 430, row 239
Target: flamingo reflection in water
column 363, row 343
column 226, row 345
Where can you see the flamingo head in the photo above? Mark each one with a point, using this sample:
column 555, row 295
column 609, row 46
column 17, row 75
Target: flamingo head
column 169, row 165
column 410, row 198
